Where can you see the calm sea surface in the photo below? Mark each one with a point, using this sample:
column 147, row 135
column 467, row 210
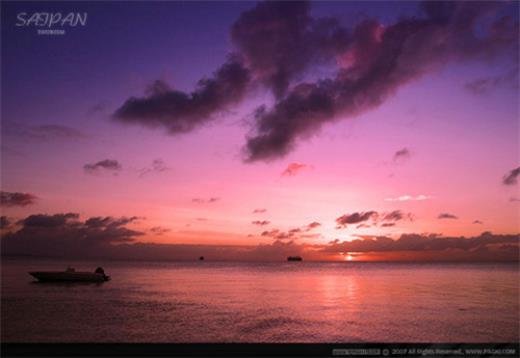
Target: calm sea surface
column 263, row 302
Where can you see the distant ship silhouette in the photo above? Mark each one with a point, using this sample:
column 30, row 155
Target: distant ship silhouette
column 294, row 258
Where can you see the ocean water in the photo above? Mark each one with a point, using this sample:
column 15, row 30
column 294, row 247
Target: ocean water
column 263, row 302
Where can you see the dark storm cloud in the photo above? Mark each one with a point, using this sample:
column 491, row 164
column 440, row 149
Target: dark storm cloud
column 446, row 216
column 181, row 112
column 511, row 178
column 10, row 199
column 107, row 164
column 279, row 44
column 378, row 61
column 64, row 235
column 368, row 218
column 280, row 40
column 419, row 242
column 260, row 222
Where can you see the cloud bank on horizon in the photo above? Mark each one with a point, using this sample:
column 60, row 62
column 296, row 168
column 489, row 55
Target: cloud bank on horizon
column 276, row 44
column 66, row 235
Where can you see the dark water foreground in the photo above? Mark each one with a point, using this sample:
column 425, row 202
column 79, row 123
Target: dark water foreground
column 267, row 302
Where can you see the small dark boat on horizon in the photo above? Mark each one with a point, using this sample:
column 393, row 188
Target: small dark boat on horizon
column 294, row 258
column 70, row 275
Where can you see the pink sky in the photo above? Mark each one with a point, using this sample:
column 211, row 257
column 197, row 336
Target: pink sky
column 460, row 143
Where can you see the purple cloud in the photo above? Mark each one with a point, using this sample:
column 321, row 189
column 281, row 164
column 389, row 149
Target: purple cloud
column 12, row 199
column 447, row 216
column 260, row 222
column 511, row 177
column 111, row 165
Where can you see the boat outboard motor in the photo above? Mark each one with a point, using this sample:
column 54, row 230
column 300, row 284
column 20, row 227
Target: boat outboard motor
column 100, row 270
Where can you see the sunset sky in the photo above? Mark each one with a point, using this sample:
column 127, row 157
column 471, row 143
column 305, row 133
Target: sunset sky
column 321, row 129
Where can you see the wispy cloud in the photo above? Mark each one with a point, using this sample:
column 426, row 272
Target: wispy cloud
column 44, row 132
column 97, row 108
column 447, row 216
column 484, row 85
column 302, row 232
column 355, row 218
column 106, row 165
column 259, row 211
column 12, row 199
column 260, row 222
column 401, row 155
column 313, row 225
column 8, row 150
column 158, row 166
column 204, row 201
column 511, row 178
column 410, row 198
column 372, row 218
column 293, row 169
column 159, row 230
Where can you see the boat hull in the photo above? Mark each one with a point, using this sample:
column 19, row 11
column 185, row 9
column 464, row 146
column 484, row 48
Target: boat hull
column 294, row 258
column 69, row 276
